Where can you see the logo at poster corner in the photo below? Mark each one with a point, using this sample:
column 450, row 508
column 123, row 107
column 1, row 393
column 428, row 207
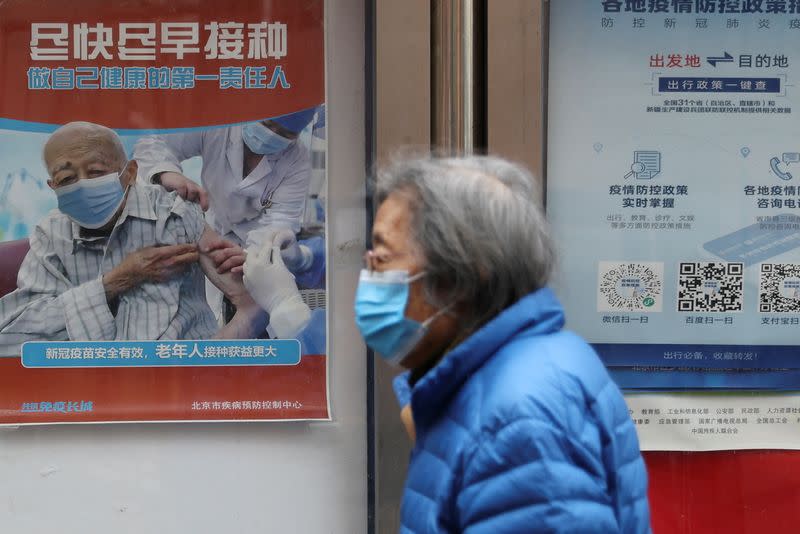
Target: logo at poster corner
column 646, row 165
column 788, row 157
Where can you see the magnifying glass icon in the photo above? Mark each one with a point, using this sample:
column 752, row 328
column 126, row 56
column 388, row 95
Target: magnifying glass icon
column 636, row 168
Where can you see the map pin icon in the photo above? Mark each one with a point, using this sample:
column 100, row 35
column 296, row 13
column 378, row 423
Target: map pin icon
column 745, row 151
column 598, row 147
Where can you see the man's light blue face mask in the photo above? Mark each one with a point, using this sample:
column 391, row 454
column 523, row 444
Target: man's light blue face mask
column 262, row 140
column 91, row 203
column 380, row 305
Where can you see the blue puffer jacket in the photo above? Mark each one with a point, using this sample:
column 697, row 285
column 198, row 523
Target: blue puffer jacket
column 520, row 429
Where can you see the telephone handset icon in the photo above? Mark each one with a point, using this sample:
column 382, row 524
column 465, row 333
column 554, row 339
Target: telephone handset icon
column 774, row 163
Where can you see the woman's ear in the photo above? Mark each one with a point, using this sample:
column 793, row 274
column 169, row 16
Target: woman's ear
column 408, row 422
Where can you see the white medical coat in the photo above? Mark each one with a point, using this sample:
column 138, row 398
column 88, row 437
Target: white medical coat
column 236, row 204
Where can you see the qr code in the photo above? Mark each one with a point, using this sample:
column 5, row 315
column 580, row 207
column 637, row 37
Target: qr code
column 710, row 287
column 629, row 286
column 779, row 288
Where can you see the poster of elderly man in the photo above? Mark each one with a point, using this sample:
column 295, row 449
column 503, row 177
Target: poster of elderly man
column 160, row 258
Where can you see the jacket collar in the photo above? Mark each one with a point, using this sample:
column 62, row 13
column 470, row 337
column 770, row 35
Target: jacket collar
column 536, row 314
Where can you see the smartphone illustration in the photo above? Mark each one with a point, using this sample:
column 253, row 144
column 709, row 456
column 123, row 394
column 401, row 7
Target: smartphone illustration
column 757, row 242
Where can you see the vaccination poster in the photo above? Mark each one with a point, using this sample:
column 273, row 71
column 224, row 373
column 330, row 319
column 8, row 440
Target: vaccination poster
column 162, row 211
column 674, row 187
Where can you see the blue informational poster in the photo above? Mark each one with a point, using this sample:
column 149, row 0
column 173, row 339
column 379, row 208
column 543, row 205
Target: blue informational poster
column 674, row 183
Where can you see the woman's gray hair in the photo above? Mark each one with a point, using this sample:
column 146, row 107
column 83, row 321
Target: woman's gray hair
column 479, row 225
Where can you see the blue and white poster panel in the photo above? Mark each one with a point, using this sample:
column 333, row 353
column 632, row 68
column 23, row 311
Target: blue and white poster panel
column 674, row 187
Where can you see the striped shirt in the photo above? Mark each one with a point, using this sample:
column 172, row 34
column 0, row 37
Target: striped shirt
column 60, row 293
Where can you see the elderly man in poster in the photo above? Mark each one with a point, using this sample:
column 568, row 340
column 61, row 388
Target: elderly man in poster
column 117, row 259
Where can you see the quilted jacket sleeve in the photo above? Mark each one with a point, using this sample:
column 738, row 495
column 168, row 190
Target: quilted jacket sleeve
column 528, row 477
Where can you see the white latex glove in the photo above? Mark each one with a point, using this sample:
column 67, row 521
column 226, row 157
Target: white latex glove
column 272, row 286
column 298, row 258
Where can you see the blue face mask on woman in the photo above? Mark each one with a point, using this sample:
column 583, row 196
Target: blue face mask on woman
column 381, row 300
column 262, row 140
column 92, row 202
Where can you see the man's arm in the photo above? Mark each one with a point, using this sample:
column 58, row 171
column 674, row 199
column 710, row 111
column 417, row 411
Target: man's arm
column 250, row 320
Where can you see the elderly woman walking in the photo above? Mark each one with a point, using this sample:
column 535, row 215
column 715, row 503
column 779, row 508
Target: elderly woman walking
column 517, row 425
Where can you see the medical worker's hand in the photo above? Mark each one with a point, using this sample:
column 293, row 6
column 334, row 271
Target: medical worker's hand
column 272, row 285
column 298, row 258
column 186, row 188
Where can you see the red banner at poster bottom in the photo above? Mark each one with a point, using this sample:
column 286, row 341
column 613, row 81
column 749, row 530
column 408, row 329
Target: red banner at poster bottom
column 163, row 394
